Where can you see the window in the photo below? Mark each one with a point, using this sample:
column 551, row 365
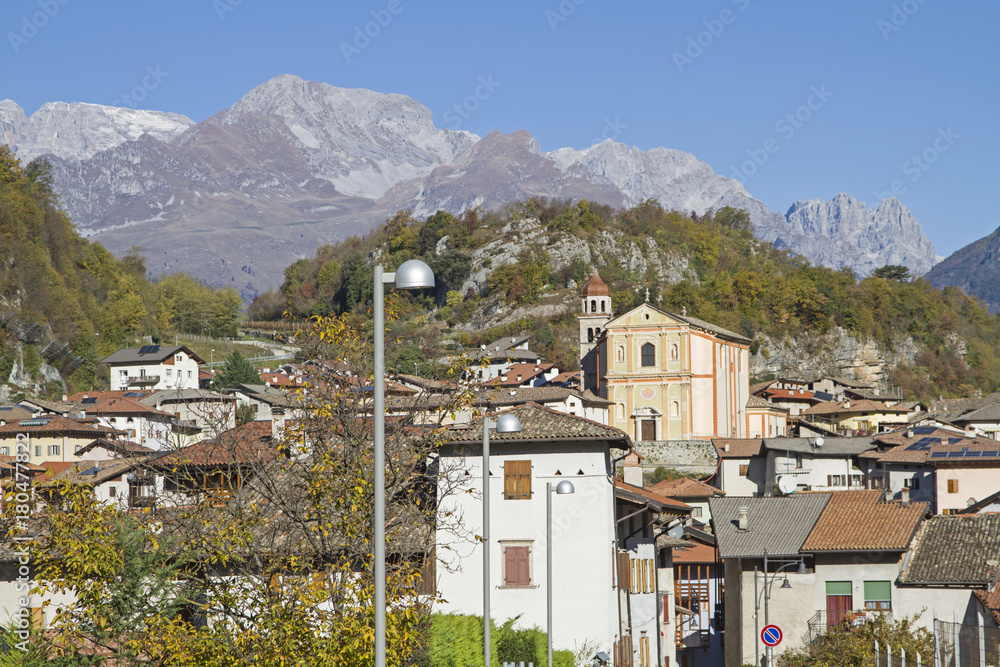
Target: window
column 5, row 451
column 648, row 354
column 590, row 335
column 123, row 373
column 836, row 480
column 516, row 563
column 517, row 480
column 38, row 450
column 798, row 462
column 878, row 595
column 744, row 469
column 189, row 375
column 911, row 483
column 593, row 305
column 856, row 480
column 602, row 305
column 695, row 510
column 952, row 486
column 170, row 372
column 112, row 491
column 54, row 450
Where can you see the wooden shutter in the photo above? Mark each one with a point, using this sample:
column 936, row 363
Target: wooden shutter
column 624, row 573
column 517, row 480
column 516, row 571
column 952, row 486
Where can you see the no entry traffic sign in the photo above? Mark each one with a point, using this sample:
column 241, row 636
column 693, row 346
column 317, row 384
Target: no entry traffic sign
column 771, row 635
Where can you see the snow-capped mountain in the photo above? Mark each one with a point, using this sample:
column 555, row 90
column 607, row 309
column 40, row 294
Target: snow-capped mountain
column 237, row 197
column 78, row 131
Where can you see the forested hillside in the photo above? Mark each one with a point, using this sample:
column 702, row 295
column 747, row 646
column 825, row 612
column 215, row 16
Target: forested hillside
column 56, row 287
column 720, row 273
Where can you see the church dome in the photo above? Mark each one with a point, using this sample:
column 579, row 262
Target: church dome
column 596, row 287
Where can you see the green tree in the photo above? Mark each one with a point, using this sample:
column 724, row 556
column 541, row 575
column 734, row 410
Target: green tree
column 237, row 370
column 893, row 272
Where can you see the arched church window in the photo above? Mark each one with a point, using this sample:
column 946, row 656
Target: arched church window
column 593, row 305
column 590, row 335
column 648, row 354
column 602, row 305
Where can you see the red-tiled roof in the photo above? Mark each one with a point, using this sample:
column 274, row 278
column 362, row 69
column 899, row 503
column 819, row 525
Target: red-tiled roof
column 122, row 406
column 860, row 521
column 739, row 448
column 55, row 424
column 697, row 553
column 102, row 395
column 851, row 407
column 685, row 487
column 652, row 495
column 248, row 443
column 788, row 394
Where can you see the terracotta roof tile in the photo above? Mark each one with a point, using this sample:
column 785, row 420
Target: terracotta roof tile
column 685, row 488
column 649, row 494
column 248, row 443
column 859, row 521
column 541, row 423
column 739, row 448
column 955, row 549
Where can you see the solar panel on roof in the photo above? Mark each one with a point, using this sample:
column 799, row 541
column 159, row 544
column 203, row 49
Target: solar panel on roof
column 939, row 455
column 89, row 399
column 34, row 422
column 923, row 444
column 953, row 441
column 956, row 455
column 132, row 394
column 149, row 349
column 923, row 430
column 6, row 408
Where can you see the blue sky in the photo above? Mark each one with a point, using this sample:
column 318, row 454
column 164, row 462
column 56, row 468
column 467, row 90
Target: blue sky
column 798, row 99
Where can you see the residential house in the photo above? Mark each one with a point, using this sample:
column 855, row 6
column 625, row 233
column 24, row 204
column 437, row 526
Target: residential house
column 983, row 421
column 153, row 367
column 205, row 412
column 964, row 472
column 813, row 464
column 551, row 447
column 524, row 375
column 692, row 492
column 669, row 376
column 136, row 421
column 796, row 398
column 119, row 482
column 766, row 420
column 742, row 466
column 493, row 360
column 699, row 592
column 566, row 379
column 952, row 570
column 647, row 607
column 50, row 437
column 264, row 399
column 863, row 417
column 103, row 449
column 840, row 554
column 988, row 504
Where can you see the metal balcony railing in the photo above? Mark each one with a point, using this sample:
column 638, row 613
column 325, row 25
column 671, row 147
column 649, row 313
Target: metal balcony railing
column 143, row 379
column 848, row 618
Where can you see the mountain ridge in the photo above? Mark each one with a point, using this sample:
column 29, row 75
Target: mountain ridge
column 295, row 164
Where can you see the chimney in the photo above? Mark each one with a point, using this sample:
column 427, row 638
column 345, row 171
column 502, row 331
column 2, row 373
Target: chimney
column 725, row 447
column 909, row 433
column 904, row 500
column 743, row 518
column 970, row 432
column 277, row 423
column 65, row 397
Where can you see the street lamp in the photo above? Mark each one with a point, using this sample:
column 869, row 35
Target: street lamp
column 211, row 363
column 507, row 423
column 411, row 274
column 769, row 651
column 564, row 487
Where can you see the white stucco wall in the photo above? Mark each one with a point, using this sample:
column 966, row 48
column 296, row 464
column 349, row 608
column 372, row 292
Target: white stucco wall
column 583, row 536
column 974, row 484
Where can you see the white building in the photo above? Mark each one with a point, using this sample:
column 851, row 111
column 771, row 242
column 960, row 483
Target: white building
column 153, row 367
column 551, row 447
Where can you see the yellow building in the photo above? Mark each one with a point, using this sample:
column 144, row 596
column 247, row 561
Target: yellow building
column 669, row 376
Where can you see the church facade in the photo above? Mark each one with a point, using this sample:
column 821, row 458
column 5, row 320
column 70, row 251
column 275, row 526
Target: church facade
column 669, row 376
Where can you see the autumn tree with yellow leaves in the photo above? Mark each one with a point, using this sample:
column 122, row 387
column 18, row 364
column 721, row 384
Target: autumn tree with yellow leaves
column 258, row 549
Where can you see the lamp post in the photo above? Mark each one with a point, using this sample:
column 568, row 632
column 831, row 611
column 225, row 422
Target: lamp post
column 412, row 274
column 504, row 424
column 564, row 487
column 212, row 359
column 769, row 651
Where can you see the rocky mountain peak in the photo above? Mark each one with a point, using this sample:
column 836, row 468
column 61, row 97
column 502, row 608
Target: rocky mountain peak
column 12, row 120
column 79, row 130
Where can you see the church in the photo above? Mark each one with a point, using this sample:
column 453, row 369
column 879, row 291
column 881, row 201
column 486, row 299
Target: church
column 669, row 376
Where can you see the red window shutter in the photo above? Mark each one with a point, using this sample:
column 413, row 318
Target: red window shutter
column 509, row 566
column 523, row 577
column 516, row 566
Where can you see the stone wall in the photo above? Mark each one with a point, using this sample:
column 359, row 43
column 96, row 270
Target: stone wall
column 697, row 457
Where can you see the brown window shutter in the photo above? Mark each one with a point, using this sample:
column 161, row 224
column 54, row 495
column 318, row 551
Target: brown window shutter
column 510, row 480
column 666, row 608
column 524, row 480
column 516, row 568
column 509, row 566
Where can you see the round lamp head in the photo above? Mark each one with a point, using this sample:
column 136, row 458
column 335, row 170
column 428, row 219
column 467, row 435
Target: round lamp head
column 414, row 274
column 508, row 424
column 565, row 487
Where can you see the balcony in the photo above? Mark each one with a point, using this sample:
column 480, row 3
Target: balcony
column 143, row 379
column 848, row 618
